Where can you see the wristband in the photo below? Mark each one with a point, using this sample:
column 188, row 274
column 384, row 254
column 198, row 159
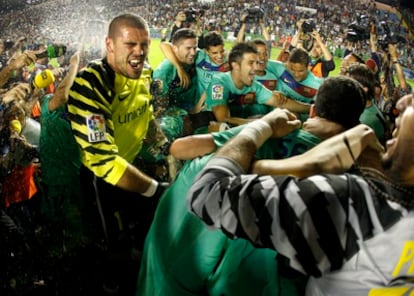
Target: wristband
column 395, row 62
column 258, row 131
column 152, row 188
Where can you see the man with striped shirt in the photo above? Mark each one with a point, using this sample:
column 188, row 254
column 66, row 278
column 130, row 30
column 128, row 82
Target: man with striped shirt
column 351, row 232
column 186, row 258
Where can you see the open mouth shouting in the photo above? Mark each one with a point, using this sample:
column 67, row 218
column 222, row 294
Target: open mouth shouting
column 136, row 63
column 251, row 76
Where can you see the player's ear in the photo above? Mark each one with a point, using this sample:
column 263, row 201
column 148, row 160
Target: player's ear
column 109, row 44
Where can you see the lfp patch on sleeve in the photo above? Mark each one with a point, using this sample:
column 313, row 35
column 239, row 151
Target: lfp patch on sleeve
column 217, row 92
column 96, row 128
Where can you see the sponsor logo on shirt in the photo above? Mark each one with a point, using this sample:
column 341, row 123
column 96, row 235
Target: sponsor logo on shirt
column 287, row 80
column 96, row 128
column 130, row 116
column 121, row 98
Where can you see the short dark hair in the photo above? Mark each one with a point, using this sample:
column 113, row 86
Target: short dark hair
column 183, row 34
column 237, row 52
column 340, row 99
column 127, row 19
column 299, row 56
column 212, row 38
column 364, row 75
column 259, row 42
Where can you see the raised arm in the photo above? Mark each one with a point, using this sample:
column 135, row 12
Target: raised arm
column 242, row 30
column 392, row 49
column 327, row 56
column 265, row 32
column 61, row 94
column 296, row 41
column 16, row 63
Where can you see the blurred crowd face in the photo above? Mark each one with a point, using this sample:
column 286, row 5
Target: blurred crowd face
column 284, row 57
column 316, row 51
column 185, row 50
column 45, row 60
column 346, row 62
column 181, row 17
column 216, row 54
column 128, row 51
column 263, row 57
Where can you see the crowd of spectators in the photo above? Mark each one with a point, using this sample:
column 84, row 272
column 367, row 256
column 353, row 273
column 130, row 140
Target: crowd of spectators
column 79, row 25
column 84, row 21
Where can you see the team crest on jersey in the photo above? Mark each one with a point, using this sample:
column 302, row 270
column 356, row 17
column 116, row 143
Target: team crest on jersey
column 95, row 124
column 224, row 67
column 217, row 92
column 271, row 84
column 249, row 98
column 308, row 92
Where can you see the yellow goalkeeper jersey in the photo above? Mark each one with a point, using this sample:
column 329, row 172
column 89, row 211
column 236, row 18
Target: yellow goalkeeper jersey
column 109, row 115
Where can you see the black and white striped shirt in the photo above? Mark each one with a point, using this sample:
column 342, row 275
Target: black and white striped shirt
column 320, row 223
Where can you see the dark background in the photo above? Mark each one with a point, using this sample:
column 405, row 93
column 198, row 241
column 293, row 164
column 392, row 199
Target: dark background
column 404, row 3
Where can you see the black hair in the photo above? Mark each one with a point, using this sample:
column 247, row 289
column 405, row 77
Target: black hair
column 212, row 38
column 362, row 74
column 299, row 56
column 341, row 99
column 183, row 34
column 259, row 42
column 237, row 52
